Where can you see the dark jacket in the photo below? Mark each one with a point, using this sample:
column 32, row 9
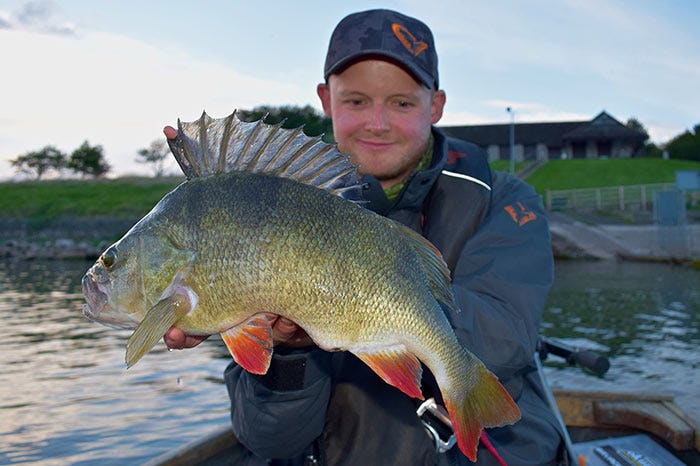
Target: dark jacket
column 493, row 234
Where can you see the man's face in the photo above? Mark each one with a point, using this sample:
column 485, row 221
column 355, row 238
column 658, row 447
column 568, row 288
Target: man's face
column 381, row 117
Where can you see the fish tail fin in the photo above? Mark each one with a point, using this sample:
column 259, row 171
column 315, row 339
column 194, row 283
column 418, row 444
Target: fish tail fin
column 487, row 404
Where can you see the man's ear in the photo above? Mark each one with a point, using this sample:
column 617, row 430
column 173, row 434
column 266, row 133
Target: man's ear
column 437, row 106
column 324, row 93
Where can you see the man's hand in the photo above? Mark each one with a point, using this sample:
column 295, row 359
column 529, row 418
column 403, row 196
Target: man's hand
column 287, row 333
column 284, row 332
column 175, row 338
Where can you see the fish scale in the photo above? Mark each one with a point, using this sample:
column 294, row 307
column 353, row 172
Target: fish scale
column 270, row 220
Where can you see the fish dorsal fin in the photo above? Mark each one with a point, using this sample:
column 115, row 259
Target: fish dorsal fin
column 434, row 267
column 210, row 146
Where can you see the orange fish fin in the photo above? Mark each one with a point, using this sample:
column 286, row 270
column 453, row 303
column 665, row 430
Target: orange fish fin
column 250, row 344
column 395, row 366
column 488, row 404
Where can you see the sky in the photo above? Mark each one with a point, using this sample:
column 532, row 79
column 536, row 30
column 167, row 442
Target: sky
column 113, row 73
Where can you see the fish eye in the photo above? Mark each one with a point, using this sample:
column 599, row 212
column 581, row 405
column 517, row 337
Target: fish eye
column 109, row 257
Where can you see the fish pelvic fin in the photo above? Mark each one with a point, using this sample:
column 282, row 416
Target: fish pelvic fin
column 487, row 404
column 250, row 344
column 154, row 324
column 433, row 266
column 396, row 366
column 210, row 146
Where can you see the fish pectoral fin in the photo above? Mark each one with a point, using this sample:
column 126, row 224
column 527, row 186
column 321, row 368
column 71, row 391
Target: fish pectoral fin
column 250, row 344
column 155, row 323
column 396, row 366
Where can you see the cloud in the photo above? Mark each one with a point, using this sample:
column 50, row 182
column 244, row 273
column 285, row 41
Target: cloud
column 40, row 16
column 535, row 112
column 113, row 91
column 63, row 83
column 606, row 50
column 463, row 118
column 494, row 112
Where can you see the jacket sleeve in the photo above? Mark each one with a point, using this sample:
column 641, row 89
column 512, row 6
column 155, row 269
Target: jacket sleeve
column 502, row 279
column 279, row 414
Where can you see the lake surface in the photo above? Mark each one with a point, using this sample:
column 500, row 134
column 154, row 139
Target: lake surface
column 645, row 317
column 66, row 398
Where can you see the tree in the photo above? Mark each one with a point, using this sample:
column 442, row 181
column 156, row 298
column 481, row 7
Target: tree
column 636, row 125
column 650, row 149
column 39, row 162
column 653, row 151
column 88, row 160
column 155, row 154
column 314, row 122
column 685, row 146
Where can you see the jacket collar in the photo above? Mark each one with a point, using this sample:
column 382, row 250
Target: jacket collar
column 416, row 187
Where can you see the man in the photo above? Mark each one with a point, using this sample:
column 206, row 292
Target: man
column 315, row 407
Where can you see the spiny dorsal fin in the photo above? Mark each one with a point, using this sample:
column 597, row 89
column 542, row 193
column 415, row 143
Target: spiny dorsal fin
column 210, row 146
column 434, row 267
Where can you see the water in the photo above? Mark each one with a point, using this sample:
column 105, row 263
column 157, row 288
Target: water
column 65, row 395
column 66, row 398
column 645, row 317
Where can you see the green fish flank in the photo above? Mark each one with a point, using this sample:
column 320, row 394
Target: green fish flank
column 266, row 223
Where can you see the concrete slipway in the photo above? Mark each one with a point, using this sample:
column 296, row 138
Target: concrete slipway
column 572, row 238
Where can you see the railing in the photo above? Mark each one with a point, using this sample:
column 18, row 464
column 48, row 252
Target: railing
column 613, row 197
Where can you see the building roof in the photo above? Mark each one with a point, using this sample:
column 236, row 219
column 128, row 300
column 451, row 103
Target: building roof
column 601, row 128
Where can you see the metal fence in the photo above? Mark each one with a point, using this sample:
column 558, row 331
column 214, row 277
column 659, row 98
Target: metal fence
column 614, row 197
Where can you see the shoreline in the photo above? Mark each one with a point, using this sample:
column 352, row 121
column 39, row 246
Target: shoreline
column 575, row 239
column 580, row 237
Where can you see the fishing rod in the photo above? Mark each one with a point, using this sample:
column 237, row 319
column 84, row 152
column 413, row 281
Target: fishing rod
column 594, row 362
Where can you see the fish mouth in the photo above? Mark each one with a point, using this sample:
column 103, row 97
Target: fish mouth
column 98, row 308
column 96, row 299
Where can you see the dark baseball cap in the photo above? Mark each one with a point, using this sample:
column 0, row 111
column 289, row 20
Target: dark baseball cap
column 401, row 39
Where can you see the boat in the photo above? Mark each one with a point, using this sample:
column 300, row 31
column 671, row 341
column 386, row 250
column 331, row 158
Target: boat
column 649, row 426
column 652, row 425
column 600, row 428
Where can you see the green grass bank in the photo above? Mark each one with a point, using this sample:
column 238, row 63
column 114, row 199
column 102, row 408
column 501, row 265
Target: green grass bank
column 121, row 198
column 595, row 173
column 131, row 198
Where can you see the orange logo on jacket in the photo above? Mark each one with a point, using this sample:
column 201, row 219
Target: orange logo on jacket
column 408, row 40
column 520, row 215
column 453, row 156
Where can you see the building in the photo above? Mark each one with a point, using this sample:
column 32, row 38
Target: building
column 603, row 136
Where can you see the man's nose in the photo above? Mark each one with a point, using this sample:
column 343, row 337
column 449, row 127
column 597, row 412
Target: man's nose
column 378, row 119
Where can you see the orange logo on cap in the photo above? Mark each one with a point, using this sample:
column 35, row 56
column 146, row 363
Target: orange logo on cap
column 408, row 40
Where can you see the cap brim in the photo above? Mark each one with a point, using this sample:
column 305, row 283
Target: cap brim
column 416, row 72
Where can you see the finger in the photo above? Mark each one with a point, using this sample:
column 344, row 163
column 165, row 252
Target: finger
column 170, row 132
column 283, row 330
column 174, row 338
column 285, row 325
column 193, row 340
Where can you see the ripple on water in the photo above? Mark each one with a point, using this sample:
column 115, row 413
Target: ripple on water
column 66, row 398
column 647, row 315
column 65, row 395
